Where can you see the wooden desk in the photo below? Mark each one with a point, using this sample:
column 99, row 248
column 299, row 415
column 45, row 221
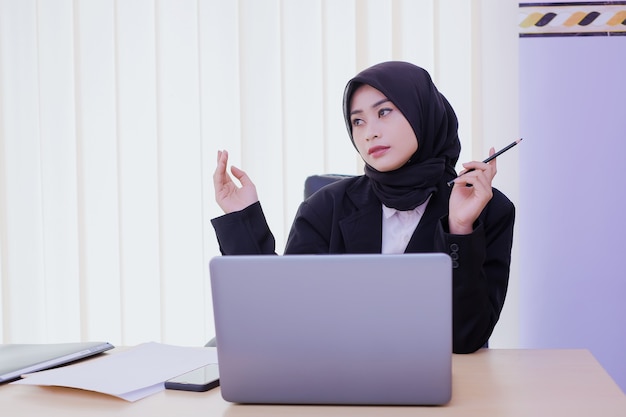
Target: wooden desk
column 491, row 382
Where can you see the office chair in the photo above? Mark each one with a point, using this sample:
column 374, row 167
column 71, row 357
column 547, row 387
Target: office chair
column 315, row 182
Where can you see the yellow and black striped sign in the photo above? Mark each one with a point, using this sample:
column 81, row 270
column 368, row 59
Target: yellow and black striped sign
column 599, row 18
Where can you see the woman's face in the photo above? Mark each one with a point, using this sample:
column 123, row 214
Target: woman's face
column 381, row 133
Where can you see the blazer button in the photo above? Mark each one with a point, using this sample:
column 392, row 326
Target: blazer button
column 454, row 255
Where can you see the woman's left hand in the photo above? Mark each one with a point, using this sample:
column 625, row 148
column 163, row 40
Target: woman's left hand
column 470, row 194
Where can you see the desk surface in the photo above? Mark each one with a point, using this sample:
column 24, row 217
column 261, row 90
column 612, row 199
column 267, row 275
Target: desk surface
column 491, row 382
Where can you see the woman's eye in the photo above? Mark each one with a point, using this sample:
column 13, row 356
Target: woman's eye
column 356, row 122
column 383, row 112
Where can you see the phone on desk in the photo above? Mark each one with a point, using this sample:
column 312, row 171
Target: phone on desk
column 199, row 380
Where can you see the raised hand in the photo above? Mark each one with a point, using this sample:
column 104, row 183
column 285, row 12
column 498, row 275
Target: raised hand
column 228, row 195
column 470, row 194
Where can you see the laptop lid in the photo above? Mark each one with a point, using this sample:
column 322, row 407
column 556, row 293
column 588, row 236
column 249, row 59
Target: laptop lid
column 20, row 359
column 334, row 329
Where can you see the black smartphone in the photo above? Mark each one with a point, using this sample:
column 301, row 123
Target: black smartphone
column 199, row 380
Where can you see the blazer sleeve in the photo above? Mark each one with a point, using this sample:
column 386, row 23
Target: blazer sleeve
column 481, row 265
column 244, row 232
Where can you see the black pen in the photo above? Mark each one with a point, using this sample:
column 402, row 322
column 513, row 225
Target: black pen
column 495, row 155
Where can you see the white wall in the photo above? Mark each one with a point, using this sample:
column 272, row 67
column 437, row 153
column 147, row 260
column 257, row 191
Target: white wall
column 573, row 110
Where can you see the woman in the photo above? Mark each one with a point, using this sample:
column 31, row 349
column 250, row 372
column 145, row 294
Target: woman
column 407, row 134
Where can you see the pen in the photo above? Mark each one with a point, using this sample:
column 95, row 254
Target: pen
column 495, row 155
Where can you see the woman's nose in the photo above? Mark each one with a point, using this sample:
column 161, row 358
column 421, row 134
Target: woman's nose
column 372, row 132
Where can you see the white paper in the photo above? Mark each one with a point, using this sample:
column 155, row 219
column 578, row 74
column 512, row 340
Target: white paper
column 131, row 374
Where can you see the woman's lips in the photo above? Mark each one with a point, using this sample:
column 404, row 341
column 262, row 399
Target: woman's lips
column 377, row 151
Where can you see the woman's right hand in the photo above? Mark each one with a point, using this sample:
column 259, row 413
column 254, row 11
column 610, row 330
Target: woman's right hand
column 228, row 195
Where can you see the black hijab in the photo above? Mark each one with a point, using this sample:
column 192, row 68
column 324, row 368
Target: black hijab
column 434, row 122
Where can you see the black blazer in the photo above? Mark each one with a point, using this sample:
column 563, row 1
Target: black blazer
column 346, row 217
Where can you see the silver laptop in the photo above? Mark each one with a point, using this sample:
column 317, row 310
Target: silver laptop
column 334, row 329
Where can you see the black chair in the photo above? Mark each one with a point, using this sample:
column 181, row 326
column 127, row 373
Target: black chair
column 315, row 182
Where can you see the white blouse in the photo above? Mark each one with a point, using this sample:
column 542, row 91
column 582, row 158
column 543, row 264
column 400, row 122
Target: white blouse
column 398, row 227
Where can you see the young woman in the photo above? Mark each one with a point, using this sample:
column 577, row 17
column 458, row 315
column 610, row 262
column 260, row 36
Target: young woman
column 407, row 134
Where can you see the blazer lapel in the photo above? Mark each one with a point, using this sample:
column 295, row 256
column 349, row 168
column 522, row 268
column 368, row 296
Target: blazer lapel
column 362, row 230
column 423, row 236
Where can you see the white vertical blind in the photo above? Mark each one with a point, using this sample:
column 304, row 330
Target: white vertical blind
column 138, row 173
column 374, row 32
column 414, row 32
column 57, row 140
column 303, row 107
column 23, row 284
column 97, row 166
column 180, row 169
column 339, row 55
column 111, row 115
column 453, row 65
